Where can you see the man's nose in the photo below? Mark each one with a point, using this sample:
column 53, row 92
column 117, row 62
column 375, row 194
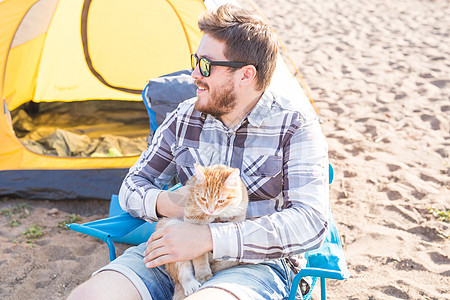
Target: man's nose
column 196, row 73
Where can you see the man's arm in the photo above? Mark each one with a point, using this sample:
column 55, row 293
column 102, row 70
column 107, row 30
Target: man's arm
column 178, row 242
column 171, row 203
column 142, row 186
column 302, row 224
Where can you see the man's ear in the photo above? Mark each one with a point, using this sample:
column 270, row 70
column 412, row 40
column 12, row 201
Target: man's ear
column 248, row 75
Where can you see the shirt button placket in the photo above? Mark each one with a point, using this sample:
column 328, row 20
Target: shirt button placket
column 229, row 149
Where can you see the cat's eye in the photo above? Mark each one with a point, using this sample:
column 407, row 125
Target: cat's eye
column 221, row 201
column 203, row 199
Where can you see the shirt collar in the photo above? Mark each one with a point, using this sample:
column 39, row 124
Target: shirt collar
column 262, row 109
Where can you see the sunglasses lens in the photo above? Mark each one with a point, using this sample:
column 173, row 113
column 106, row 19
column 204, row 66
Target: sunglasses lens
column 193, row 61
column 204, row 67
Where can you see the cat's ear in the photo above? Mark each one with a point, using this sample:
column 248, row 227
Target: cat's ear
column 199, row 173
column 233, row 179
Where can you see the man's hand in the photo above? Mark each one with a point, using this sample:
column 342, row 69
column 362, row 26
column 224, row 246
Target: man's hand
column 177, row 242
column 171, row 203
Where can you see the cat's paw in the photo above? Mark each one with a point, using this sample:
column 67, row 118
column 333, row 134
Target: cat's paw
column 191, row 287
column 204, row 277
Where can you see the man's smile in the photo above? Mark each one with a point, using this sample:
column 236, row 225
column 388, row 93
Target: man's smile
column 201, row 87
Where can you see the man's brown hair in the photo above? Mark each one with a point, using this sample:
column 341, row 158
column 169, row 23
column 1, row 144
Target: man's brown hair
column 248, row 38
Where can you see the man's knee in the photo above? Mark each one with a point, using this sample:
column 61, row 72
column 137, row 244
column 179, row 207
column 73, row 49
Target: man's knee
column 105, row 285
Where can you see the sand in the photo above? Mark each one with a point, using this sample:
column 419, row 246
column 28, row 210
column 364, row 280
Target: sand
column 379, row 71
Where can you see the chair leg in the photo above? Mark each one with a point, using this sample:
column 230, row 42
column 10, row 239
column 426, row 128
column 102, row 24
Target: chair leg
column 323, row 288
column 111, row 248
column 294, row 287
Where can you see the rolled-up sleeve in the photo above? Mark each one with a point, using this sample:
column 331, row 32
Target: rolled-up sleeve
column 154, row 168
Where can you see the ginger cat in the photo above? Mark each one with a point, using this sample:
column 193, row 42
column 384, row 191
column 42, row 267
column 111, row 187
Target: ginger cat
column 217, row 195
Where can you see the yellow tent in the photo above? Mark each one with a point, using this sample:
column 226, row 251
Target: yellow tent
column 82, row 50
column 73, row 51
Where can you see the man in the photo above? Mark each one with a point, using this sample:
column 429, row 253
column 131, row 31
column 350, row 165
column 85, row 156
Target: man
column 280, row 151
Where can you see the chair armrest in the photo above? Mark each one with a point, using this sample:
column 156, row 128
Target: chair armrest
column 115, row 227
column 318, row 272
column 89, row 231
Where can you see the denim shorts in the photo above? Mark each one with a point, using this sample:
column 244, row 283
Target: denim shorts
column 268, row 280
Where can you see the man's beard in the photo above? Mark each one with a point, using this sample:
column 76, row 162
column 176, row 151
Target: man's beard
column 220, row 102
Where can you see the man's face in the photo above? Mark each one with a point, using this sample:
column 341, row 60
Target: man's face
column 215, row 94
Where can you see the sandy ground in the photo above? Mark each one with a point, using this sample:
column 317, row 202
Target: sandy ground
column 380, row 73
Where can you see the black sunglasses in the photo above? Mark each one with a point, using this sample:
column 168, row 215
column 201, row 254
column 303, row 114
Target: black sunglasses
column 205, row 64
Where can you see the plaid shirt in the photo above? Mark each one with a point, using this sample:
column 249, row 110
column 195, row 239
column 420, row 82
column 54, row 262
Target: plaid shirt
column 282, row 155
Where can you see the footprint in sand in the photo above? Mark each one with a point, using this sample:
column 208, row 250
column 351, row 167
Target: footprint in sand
column 391, row 194
column 445, row 108
column 372, row 130
column 418, row 195
column 404, row 213
column 408, row 265
column 395, row 292
column 355, row 150
column 442, row 152
column 349, row 174
column 439, row 259
column 426, row 177
column 393, row 168
column 434, row 122
column 335, row 155
column 360, row 268
column 440, row 83
column 336, row 109
column 427, row 233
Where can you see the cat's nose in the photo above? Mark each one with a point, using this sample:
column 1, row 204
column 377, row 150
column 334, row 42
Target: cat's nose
column 211, row 211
